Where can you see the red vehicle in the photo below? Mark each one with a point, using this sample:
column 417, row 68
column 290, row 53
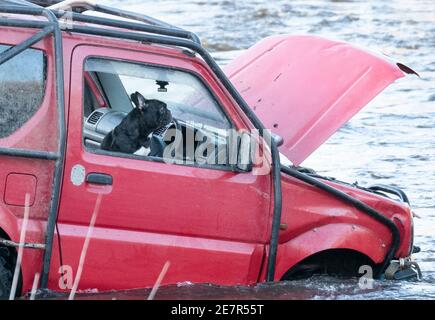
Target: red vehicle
column 65, row 81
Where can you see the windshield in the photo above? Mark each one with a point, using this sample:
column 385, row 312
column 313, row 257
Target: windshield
column 186, row 96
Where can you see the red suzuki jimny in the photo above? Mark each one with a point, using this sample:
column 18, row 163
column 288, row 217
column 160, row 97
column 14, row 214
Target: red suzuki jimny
column 231, row 216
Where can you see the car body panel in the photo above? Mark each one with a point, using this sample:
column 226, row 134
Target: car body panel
column 304, row 88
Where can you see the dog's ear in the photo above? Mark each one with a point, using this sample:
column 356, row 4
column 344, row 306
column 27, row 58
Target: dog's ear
column 139, row 100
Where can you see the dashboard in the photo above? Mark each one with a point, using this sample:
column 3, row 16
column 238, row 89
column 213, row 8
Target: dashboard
column 103, row 120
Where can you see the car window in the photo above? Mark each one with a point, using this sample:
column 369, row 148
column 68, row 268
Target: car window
column 196, row 115
column 22, row 86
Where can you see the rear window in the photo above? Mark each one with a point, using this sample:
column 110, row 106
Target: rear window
column 22, row 87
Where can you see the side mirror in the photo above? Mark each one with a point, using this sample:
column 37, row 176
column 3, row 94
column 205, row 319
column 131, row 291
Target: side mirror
column 244, row 154
column 245, row 151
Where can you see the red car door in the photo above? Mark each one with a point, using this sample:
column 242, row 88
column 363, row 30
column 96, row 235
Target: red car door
column 211, row 224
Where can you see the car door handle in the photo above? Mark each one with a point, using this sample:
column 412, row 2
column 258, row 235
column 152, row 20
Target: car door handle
column 99, row 178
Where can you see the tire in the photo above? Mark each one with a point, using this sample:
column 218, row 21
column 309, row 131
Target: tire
column 5, row 273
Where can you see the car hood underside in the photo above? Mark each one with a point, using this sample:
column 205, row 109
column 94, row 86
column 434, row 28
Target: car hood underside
column 304, row 88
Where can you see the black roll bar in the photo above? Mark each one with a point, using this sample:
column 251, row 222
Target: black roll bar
column 24, row 153
column 23, row 23
column 134, row 16
column 60, row 97
column 392, row 190
column 178, row 33
column 17, row 49
column 148, row 24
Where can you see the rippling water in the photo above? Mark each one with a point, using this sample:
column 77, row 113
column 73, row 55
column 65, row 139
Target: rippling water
column 391, row 141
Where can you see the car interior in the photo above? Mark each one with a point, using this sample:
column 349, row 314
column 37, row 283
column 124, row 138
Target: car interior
column 196, row 114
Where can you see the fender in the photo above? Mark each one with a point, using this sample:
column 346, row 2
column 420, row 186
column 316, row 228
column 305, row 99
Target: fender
column 330, row 236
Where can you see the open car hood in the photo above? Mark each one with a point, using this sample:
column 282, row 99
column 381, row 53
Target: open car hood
column 304, row 88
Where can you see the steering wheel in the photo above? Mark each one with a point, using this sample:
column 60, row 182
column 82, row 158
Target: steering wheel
column 159, row 141
column 158, row 138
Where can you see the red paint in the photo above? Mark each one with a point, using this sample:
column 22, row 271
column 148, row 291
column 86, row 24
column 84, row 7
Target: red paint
column 213, row 226
column 95, row 90
column 304, row 88
column 17, row 186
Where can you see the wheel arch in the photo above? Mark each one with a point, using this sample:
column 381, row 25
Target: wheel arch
column 329, row 238
column 338, row 262
column 8, row 225
column 9, row 231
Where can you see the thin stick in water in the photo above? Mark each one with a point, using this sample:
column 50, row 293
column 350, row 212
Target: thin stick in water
column 35, row 286
column 20, row 248
column 159, row 281
column 85, row 248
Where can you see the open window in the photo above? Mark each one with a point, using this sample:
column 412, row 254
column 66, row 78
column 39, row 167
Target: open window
column 198, row 133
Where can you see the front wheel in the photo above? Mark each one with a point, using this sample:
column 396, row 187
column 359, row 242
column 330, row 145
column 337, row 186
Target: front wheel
column 5, row 273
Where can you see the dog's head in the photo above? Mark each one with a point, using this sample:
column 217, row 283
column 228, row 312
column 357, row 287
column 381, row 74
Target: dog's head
column 155, row 114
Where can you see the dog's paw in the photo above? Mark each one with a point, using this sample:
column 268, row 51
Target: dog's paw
column 143, row 152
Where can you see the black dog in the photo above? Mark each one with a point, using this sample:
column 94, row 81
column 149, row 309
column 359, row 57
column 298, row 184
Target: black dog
column 132, row 135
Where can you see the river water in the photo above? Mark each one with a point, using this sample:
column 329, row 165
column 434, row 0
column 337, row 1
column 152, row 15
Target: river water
column 391, row 141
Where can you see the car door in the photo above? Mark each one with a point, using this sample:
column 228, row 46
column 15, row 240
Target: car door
column 210, row 223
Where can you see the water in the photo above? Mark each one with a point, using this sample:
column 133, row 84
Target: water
column 391, row 141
